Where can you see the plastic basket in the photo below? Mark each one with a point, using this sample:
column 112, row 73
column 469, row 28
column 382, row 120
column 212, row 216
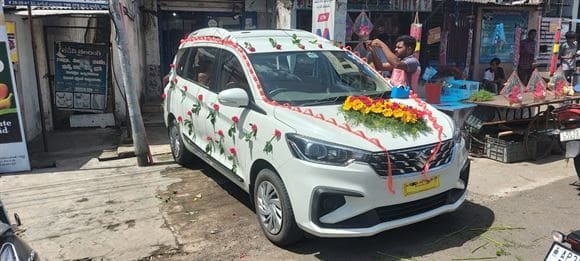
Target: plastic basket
column 459, row 90
column 507, row 149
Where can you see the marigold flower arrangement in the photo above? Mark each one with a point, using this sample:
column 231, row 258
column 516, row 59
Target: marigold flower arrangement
column 382, row 114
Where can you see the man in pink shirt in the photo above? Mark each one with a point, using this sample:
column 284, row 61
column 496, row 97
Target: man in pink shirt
column 404, row 65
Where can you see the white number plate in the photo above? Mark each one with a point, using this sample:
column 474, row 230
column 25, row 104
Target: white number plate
column 567, row 135
column 561, row 253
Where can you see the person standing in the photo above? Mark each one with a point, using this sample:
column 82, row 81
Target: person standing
column 567, row 55
column 527, row 56
column 402, row 62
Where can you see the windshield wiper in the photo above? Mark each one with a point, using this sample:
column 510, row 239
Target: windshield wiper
column 329, row 100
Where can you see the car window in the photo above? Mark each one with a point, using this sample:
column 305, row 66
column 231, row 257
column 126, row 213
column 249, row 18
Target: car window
column 232, row 73
column 304, row 77
column 180, row 61
column 200, row 66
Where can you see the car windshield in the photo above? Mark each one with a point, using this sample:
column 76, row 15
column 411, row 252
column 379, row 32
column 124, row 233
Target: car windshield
column 316, row 77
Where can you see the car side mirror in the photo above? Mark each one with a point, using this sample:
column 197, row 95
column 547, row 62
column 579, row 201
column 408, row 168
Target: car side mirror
column 235, row 97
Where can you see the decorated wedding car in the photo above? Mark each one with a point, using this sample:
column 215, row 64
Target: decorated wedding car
column 311, row 132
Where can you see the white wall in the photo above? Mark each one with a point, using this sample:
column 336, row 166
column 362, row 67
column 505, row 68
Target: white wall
column 26, row 80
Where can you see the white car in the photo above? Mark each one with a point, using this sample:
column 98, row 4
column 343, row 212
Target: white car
column 264, row 108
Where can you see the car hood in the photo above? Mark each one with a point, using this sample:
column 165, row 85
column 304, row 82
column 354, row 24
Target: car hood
column 315, row 122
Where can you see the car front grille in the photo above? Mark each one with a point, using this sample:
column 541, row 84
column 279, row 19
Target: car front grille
column 411, row 160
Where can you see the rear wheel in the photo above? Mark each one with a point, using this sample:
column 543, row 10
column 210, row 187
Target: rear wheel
column 273, row 209
column 181, row 155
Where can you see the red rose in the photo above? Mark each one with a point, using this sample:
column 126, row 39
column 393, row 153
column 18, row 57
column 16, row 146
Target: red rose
column 233, row 151
column 277, row 133
column 252, row 49
column 254, row 127
column 216, row 107
column 179, row 119
column 200, row 97
column 221, row 133
column 340, row 46
column 189, row 113
column 235, row 119
column 320, row 46
column 184, row 88
column 278, row 46
column 163, row 96
column 301, row 46
column 208, row 138
column 172, row 66
column 175, row 80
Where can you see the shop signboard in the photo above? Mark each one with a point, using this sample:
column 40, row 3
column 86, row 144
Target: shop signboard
column 498, row 34
column 81, row 76
column 71, row 4
column 13, row 151
column 329, row 19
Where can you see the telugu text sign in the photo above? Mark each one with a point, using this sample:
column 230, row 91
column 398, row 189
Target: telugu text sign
column 72, row 4
column 81, row 76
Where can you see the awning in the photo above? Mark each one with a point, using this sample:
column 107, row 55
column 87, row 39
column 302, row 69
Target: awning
column 45, row 12
column 504, row 2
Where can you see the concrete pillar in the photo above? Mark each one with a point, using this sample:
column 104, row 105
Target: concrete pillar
column 153, row 76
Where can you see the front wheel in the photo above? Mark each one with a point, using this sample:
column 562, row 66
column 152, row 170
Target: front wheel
column 577, row 165
column 273, row 209
column 181, row 155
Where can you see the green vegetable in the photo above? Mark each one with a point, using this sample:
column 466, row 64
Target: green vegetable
column 482, row 96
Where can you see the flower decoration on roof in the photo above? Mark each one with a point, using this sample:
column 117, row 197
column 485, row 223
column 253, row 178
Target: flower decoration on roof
column 296, row 41
column 249, row 47
column 275, row 44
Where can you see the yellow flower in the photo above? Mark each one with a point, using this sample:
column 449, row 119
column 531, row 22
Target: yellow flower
column 358, row 105
column 398, row 113
column 347, row 106
column 377, row 108
column 388, row 113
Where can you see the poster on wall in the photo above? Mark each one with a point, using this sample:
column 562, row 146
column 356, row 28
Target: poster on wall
column 80, row 78
column 498, row 34
column 11, row 31
column 13, row 151
column 329, row 19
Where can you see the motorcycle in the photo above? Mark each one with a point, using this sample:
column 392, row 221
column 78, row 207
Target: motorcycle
column 560, row 252
column 569, row 132
column 12, row 248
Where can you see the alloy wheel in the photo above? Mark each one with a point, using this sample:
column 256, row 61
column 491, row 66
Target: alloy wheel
column 269, row 207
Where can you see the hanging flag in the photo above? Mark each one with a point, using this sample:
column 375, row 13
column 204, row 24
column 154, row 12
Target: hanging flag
column 517, row 40
column 469, row 51
column 555, row 49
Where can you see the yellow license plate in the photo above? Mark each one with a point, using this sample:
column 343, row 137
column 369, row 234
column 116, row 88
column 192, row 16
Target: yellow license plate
column 411, row 188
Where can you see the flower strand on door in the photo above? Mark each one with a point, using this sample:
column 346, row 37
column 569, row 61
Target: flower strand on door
column 233, row 157
column 212, row 114
column 195, row 108
column 232, row 130
column 183, row 93
column 268, row 147
column 209, row 146
column 189, row 124
column 252, row 133
column 220, row 141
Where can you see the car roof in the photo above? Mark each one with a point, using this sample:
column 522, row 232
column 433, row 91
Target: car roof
column 260, row 39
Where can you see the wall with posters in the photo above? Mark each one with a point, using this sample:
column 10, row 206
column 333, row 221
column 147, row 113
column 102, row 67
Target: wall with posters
column 485, row 45
column 25, row 78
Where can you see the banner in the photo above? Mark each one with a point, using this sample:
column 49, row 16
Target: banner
column 329, row 19
column 11, row 31
column 72, row 4
column 80, row 78
column 498, row 34
column 13, row 151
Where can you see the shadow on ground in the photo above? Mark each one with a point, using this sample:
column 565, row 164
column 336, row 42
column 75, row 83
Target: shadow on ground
column 436, row 234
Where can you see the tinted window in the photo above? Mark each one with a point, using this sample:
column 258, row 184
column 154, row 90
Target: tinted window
column 181, row 60
column 232, row 74
column 200, row 66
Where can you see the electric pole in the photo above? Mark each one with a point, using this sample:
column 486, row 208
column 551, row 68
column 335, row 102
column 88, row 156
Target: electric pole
column 121, row 16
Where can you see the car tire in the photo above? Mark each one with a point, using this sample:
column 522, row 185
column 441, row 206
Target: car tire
column 276, row 220
column 180, row 154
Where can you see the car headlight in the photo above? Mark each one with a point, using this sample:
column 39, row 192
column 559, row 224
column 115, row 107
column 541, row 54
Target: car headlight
column 322, row 152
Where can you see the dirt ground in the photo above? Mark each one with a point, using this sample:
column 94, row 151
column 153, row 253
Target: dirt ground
column 212, row 219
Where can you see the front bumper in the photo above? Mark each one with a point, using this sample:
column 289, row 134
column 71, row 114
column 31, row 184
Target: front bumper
column 354, row 201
